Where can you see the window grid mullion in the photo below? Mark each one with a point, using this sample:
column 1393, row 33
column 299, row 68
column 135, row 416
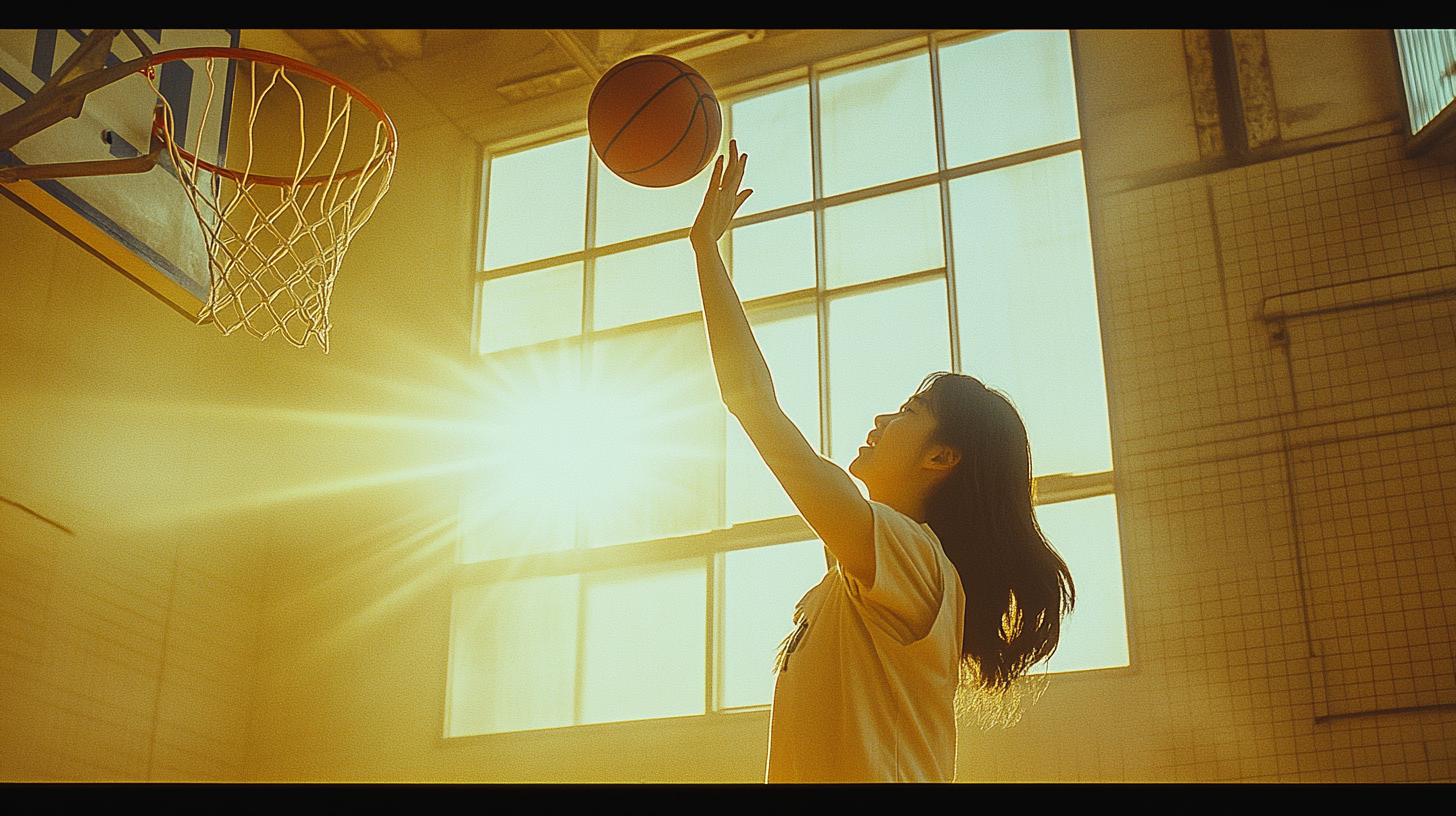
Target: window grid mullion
column 712, row 633
column 588, row 304
column 588, row 260
column 821, row 306
column 579, row 682
column 588, row 321
column 947, row 238
column 475, row 326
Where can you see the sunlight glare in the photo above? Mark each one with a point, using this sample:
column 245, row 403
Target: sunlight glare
column 630, row 452
column 570, row 447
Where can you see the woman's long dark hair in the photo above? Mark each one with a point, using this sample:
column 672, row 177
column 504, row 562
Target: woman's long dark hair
column 1017, row 587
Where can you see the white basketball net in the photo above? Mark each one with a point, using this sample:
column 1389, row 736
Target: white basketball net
column 275, row 246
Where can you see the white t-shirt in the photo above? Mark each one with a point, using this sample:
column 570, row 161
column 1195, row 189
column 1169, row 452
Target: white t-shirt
column 866, row 683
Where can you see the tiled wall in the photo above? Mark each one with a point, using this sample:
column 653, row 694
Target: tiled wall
column 117, row 661
column 125, row 653
column 1282, row 357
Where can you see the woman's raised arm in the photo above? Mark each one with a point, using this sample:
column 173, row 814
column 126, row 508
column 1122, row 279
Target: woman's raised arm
column 824, row 493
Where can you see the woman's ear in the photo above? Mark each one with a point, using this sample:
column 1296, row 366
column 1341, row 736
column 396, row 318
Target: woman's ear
column 942, row 457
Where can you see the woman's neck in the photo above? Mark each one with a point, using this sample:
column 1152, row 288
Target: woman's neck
column 906, row 498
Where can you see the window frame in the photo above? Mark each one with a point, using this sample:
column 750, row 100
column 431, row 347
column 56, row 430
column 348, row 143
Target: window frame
column 711, row 546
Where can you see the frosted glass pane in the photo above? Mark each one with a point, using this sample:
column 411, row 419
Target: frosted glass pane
column 881, row 346
column 519, row 498
column 513, row 656
column 649, row 444
column 877, row 124
column 1007, row 93
column 773, row 130
column 530, row 308
column 1094, row 636
column 646, row 636
column 502, row 521
column 537, row 204
column 645, row 284
column 1027, row 304
column 774, row 257
column 790, row 344
column 760, row 589
column 884, row 236
column 626, row 211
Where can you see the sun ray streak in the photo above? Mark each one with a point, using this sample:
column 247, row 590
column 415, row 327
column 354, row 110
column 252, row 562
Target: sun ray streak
column 632, row 450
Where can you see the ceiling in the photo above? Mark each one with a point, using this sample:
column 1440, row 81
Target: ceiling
column 497, row 85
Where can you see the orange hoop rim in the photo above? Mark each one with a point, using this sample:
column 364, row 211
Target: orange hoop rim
column 267, row 58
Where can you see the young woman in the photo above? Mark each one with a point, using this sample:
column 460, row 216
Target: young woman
column 943, row 578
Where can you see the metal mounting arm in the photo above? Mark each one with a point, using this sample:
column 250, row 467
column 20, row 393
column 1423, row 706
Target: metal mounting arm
column 104, row 167
column 65, row 93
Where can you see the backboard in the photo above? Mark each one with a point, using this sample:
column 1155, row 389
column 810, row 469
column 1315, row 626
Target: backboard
column 142, row 224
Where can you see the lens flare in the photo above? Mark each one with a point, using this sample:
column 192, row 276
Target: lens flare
column 628, row 451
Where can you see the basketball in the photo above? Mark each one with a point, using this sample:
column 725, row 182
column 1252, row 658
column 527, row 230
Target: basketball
column 654, row 121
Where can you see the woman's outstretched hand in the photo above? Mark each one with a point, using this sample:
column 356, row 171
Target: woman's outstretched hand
column 722, row 200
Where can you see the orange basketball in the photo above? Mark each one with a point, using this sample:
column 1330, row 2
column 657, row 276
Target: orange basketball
column 654, row 121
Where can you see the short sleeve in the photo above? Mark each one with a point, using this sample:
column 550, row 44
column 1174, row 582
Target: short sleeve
column 909, row 586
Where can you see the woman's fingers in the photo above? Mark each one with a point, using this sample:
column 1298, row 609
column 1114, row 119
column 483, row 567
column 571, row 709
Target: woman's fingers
column 723, row 197
column 734, row 173
column 717, row 174
column 738, row 202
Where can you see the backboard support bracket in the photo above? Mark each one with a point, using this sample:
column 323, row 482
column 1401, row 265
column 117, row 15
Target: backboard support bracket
column 64, row 94
column 105, row 167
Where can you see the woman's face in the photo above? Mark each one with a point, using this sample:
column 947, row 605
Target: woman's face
column 897, row 446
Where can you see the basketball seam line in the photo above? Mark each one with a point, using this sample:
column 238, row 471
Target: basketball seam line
column 608, row 149
column 708, row 145
column 689, row 129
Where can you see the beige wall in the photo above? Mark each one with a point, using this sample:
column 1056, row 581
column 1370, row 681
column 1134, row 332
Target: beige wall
column 204, row 478
column 127, row 639
column 258, row 583
column 1282, row 484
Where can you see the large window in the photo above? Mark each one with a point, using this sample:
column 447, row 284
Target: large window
column 626, row 554
column 1426, row 60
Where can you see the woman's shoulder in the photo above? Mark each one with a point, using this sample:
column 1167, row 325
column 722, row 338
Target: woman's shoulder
column 909, row 575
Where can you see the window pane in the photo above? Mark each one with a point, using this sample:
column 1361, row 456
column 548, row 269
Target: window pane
column 1094, row 636
column 878, row 124
column 513, row 656
column 760, row 589
column 1007, row 93
column 774, row 130
column 881, row 346
column 626, row 211
column 884, row 236
column 774, row 257
column 519, row 502
column 656, row 281
column 649, row 442
column 530, row 308
column 537, row 204
column 645, row 650
column 789, row 339
column 1027, row 305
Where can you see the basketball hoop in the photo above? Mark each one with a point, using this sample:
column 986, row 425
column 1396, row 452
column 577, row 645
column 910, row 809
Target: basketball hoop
column 276, row 218
column 275, row 239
